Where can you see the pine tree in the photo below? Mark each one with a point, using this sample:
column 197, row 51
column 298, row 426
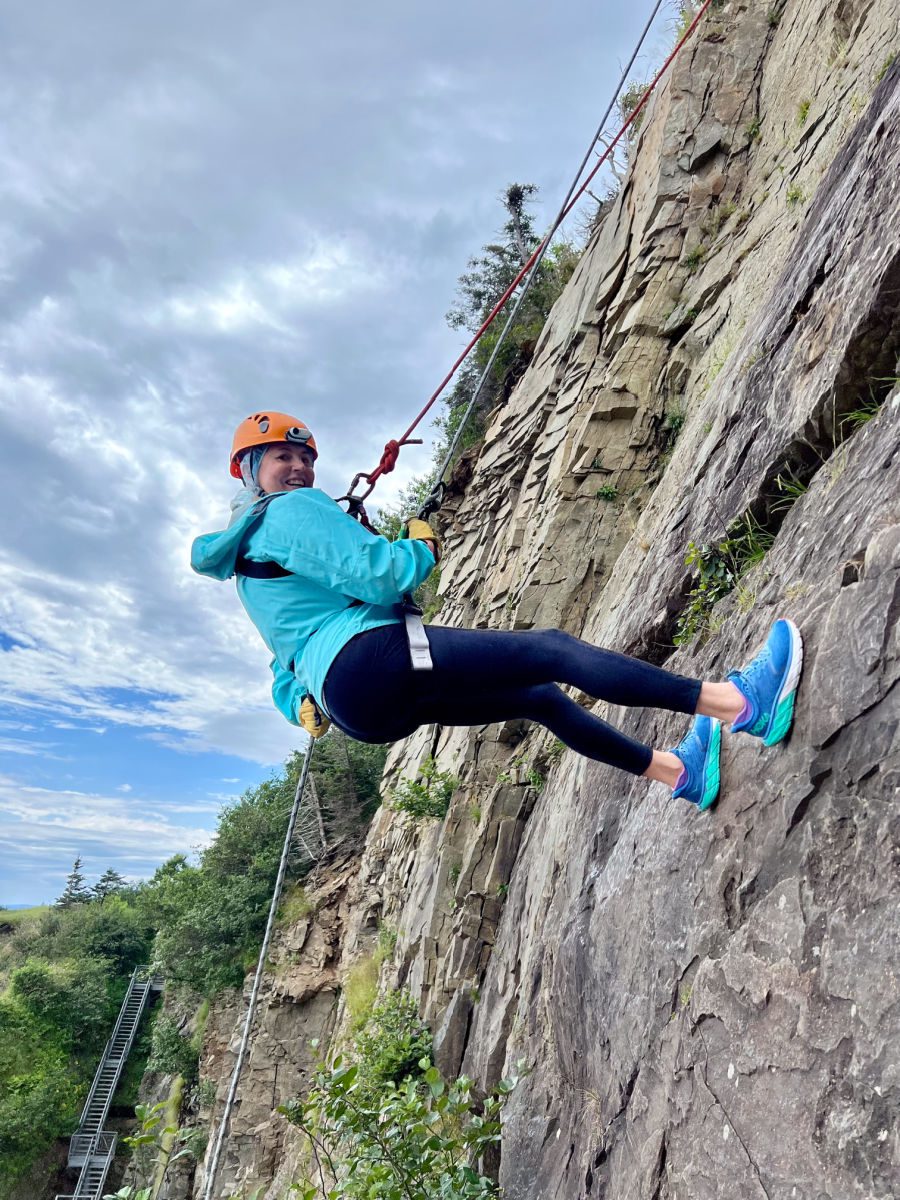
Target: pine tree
column 110, row 883
column 479, row 288
column 75, row 892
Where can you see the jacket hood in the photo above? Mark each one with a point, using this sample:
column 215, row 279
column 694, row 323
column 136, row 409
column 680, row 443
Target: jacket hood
column 215, row 554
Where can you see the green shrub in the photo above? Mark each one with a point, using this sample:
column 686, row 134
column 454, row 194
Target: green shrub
column 70, row 998
column 687, row 10
column 693, row 259
column 670, row 430
column 628, row 102
column 387, row 942
column 392, row 1041
column 421, row 1140
column 170, row 1051
column 116, row 932
column 795, row 195
column 211, row 917
column 428, row 794
column 39, row 1093
column 206, row 1093
column 718, row 567
column 383, row 1124
column 884, row 68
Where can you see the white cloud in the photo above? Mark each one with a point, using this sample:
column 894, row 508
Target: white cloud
column 199, row 218
column 50, row 822
column 33, row 749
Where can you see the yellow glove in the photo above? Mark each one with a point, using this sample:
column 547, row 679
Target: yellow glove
column 421, row 531
column 312, row 719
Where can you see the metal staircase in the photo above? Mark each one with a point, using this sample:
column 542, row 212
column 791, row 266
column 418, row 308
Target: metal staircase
column 91, row 1148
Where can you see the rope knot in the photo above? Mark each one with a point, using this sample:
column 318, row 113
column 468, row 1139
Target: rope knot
column 390, row 456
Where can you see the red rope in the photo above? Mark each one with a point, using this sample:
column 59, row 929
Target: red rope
column 392, row 449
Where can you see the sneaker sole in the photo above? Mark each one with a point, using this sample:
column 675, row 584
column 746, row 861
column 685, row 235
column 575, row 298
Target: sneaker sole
column 711, row 770
column 783, row 712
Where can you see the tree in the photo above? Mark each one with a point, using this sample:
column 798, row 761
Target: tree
column 479, row 288
column 110, row 883
column 211, row 917
column 348, row 782
column 76, row 891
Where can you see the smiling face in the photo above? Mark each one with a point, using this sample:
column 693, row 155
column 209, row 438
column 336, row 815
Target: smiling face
column 286, row 467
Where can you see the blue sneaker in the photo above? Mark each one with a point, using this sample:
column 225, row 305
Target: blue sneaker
column 699, row 751
column 769, row 684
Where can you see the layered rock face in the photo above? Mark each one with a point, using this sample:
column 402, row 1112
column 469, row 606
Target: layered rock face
column 707, row 1004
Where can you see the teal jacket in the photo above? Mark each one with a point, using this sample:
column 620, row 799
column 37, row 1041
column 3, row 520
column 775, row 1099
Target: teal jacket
column 343, row 581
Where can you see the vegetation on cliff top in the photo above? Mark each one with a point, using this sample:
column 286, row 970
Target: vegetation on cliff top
column 63, row 973
column 211, row 916
column 64, row 969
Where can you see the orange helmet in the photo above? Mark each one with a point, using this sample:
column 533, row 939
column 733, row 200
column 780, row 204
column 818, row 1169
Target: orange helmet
column 264, row 428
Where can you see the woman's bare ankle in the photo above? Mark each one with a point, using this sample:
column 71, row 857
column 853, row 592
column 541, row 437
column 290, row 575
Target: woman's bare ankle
column 665, row 767
column 720, row 700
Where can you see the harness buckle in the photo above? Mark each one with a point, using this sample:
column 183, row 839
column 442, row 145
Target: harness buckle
column 419, row 649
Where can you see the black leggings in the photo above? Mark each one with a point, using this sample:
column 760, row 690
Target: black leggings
column 484, row 675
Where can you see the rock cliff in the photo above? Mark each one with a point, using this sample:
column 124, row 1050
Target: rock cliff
column 707, row 1004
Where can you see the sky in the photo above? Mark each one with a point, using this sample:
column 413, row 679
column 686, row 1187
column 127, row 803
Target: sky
column 207, row 208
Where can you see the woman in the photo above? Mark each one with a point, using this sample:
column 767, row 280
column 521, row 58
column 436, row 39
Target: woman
column 324, row 594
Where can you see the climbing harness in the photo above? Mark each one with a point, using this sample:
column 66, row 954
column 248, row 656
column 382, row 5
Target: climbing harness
column 419, row 650
column 432, row 503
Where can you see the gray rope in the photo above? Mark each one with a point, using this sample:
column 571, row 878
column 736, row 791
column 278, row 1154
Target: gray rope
column 532, row 274
column 257, row 981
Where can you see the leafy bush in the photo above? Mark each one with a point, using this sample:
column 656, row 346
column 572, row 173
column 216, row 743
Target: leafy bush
column 67, row 973
column 115, row 931
column 384, row 1124
column 795, row 195
column 170, row 1051
column 392, row 1041
column 628, row 102
column 421, row 1140
column 211, row 917
column 207, row 922
column 426, row 795
column 718, row 568
column 69, row 999
column 39, row 1094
